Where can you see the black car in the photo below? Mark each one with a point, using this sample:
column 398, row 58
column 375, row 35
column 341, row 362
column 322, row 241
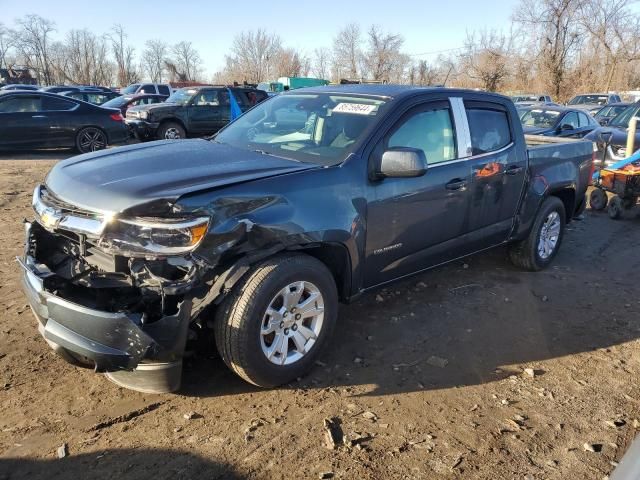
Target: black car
column 609, row 112
column 124, row 102
column 557, row 122
column 190, row 112
column 96, row 97
column 47, row 120
column 612, row 138
column 312, row 197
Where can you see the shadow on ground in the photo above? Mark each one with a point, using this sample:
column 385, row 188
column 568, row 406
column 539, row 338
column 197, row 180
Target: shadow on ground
column 482, row 317
column 112, row 464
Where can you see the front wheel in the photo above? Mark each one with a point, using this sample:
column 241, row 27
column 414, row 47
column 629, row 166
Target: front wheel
column 273, row 325
column 543, row 242
column 91, row 139
column 598, row 199
column 171, row 131
column 616, row 206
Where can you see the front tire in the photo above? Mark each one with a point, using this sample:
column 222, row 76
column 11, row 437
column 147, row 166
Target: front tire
column 277, row 319
column 171, row 131
column 616, row 206
column 91, row 139
column 598, row 199
column 543, row 242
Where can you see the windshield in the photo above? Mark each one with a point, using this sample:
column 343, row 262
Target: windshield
column 318, row 128
column 589, row 99
column 182, row 96
column 130, row 89
column 115, row 102
column 623, row 119
column 540, row 118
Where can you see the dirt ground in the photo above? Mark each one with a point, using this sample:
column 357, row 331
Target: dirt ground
column 428, row 379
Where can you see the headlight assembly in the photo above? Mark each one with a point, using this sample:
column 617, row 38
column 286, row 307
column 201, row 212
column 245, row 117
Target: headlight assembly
column 143, row 114
column 154, row 236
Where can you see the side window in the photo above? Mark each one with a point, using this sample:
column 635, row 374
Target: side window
column 21, row 105
column 490, row 130
column 148, row 88
column 584, row 120
column 163, row 90
column 429, row 130
column 207, row 98
column 571, row 119
column 56, row 104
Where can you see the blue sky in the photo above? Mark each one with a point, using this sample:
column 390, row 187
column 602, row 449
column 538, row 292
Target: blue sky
column 427, row 26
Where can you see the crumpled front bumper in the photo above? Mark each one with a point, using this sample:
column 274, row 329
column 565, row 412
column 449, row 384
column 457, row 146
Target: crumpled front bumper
column 137, row 356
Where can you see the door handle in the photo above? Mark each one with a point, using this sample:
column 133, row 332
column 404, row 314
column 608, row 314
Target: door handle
column 514, row 170
column 38, row 116
column 456, row 184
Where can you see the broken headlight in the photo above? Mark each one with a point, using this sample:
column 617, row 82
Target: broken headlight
column 154, row 236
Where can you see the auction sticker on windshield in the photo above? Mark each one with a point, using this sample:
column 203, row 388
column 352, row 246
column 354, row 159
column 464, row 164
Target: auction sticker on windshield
column 357, row 108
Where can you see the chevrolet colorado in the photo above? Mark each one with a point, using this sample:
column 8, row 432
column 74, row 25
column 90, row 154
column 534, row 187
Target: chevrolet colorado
column 312, row 197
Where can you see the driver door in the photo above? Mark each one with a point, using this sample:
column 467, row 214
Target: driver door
column 205, row 113
column 415, row 223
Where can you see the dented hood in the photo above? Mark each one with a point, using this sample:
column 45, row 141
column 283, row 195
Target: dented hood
column 117, row 179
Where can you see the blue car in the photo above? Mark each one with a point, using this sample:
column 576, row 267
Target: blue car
column 557, row 121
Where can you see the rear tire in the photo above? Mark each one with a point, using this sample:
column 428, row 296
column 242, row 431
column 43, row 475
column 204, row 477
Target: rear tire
column 171, row 131
column 253, row 329
column 616, row 206
column 540, row 247
column 91, row 139
column 598, row 199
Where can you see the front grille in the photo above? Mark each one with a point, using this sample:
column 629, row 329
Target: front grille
column 50, row 200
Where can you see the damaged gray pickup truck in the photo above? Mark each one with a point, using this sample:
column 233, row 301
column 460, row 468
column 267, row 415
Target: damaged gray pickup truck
column 310, row 198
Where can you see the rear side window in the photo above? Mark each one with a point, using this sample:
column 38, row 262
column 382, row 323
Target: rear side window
column 571, row 119
column 163, row 90
column 56, row 104
column 148, row 88
column 429, row 130
column 585, row 121
column 21, row 105
column 489, row 130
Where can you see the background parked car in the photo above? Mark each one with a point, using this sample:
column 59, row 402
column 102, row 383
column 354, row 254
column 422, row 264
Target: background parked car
column 592, row 102
column 616, row 131
column 190, row 112
column 46, row 120
column 124, row 102
column 557, row 121
column 157, row 88
column 74, row 88
column 608, row 112
column 95, row 97
column 526, row 100
column 19, row 86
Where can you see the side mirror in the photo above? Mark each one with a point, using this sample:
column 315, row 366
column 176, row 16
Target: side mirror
column 403, row 162
column 566, row 127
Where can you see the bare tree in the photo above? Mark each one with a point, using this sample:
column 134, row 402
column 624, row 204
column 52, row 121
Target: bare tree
column 153, row 59
column 83, row 59
column 290, row 63
column 347, row 52
column 426, row 74
column 614, row 27
column 124, row 57
column 485, row 59
column 254, row 54
column 553, row 29
column 6, row 42
column 321, row 61
column 33, row 42
column 187, row 60
column 383, row 54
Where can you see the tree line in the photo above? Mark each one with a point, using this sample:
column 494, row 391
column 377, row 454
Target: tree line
column 556, row 47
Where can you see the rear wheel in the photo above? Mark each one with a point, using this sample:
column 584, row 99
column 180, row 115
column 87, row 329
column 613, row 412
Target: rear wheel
column 616, row 206
column 171, row 131
column 90, row 139
column 543, row 242
column 276, row 321
column 598, row 199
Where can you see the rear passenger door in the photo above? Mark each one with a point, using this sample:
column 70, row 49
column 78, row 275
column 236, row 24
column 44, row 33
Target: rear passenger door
column 498, row 172
column 415, row 223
